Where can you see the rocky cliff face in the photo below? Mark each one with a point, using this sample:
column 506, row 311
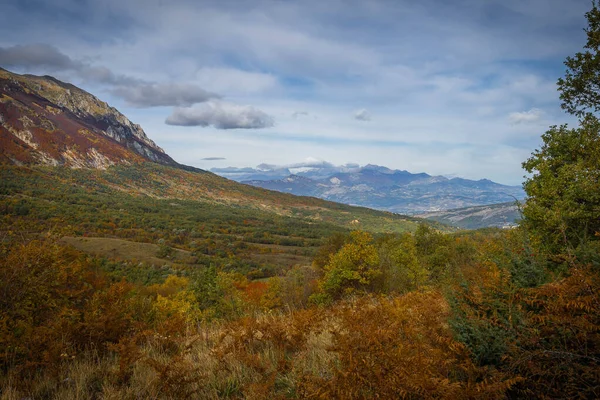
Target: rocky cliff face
column 44, row 120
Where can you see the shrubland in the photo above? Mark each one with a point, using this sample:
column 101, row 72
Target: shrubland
column 424, row 315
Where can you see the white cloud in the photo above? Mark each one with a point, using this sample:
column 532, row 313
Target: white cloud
column 362, row 115
column 309, row 162
column 450, row 73
column 221, row 115
column 526, row 117
column 298, row 114
column 36, row 55
column 135, row 92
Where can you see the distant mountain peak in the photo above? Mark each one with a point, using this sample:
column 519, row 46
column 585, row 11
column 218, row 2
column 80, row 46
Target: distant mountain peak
column 296, row 178
column 46, row 121
column 383, row 188
column 378, row 168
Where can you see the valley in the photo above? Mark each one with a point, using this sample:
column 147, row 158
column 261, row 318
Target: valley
column 503, row 215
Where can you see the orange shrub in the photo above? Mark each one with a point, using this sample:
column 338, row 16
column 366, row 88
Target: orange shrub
column 401, row 348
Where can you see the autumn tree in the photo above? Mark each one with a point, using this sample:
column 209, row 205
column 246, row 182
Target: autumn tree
column 354, row 267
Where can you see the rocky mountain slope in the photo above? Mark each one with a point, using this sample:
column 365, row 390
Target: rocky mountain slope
column 46, row 121
column 393, row 190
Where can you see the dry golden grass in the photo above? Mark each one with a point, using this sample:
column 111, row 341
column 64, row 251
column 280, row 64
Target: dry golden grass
column 121, row 249
column 203, row 365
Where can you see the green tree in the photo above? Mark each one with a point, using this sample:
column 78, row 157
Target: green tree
column 580, row 88
column 331, row 246
column 433, row 250
column 401, row 269
column 354, row 267
column 205, row 287
column 563, row 207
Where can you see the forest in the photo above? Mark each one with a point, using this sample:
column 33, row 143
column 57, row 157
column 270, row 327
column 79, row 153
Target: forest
column 122, row 284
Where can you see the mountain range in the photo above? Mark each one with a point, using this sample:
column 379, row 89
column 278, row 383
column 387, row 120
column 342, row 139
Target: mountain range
column 377, row 187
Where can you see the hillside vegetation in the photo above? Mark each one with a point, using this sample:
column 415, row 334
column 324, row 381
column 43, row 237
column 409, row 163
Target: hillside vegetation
column 157, row 185
column 159, row 212
column 115, row 284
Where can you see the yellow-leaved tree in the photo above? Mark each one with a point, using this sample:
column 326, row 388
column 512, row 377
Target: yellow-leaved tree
column 354, row 267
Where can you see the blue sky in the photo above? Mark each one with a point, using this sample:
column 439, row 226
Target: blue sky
column 460, row 88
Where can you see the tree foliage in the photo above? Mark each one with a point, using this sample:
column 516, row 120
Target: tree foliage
column 580, row 88
column 402, row 349
column 402, row 271
column 354, row 267
column 563, row 206
column 473, row 315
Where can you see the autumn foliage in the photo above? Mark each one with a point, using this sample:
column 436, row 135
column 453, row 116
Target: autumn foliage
column 489, row 322
column 402, row 348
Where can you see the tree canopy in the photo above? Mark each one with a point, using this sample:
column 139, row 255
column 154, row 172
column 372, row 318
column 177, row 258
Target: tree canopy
column 563, row 206
column 564, row 191
column 580, row 88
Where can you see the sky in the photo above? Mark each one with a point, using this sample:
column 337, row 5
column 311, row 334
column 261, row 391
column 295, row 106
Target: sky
column 456, row 88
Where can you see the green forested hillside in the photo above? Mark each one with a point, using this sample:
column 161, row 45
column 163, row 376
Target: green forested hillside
column 240, row 228
column 155, row 186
